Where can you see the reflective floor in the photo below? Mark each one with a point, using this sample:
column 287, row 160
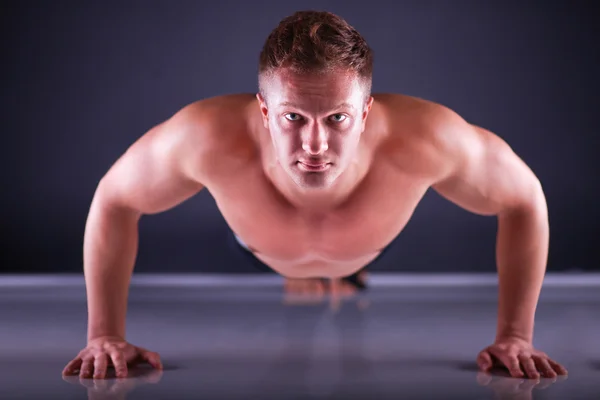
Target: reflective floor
column 242, row 337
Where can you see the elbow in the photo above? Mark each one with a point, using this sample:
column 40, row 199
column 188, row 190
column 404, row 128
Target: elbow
column 106, row 199
column 530, row 201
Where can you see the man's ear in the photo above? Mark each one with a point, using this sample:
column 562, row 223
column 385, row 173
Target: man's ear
column 368, row 106
column 264, row 111
column 366, row 111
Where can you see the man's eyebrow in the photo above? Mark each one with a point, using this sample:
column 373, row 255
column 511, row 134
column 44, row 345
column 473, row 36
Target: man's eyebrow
column 339, row 106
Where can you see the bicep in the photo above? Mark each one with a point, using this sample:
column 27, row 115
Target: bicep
column 155, row 173
column 488, row 177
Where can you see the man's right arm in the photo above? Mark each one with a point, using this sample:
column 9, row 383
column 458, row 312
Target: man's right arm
column 159, row 171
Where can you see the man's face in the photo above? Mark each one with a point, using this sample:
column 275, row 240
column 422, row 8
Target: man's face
column 315, row 124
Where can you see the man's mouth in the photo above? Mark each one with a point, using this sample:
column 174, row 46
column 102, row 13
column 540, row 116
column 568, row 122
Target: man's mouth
column 313, row 167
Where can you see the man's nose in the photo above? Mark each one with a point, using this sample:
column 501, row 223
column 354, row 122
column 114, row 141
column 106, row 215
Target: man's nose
column 315, row 142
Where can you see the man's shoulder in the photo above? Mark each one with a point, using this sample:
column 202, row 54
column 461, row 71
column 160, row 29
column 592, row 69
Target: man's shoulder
column 415, row 114
column 421, row 133
column 216, row 122
column 213, row 132
column 217, row 115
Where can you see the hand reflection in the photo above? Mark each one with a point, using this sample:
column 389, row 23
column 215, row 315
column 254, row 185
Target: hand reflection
column 506, row 387
column 111, row 388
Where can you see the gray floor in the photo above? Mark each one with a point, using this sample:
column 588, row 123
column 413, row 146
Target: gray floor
column 226, row 338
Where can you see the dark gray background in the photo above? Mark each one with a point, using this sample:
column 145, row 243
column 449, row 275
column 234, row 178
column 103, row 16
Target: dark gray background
column 83, row 80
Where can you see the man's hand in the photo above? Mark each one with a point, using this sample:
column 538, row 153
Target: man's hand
column 102, row 352
column 520, row 358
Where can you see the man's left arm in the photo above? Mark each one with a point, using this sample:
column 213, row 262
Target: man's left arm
column 483, row 175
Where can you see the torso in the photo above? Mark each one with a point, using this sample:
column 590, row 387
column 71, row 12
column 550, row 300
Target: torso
column 335, row 243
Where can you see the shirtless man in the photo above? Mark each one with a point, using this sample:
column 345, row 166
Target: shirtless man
column 316, row 175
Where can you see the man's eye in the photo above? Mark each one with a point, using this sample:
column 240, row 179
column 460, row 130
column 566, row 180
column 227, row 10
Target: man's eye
column 338, row 117
column 292, row 116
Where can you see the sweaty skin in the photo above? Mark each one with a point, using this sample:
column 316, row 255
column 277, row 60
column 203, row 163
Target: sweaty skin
column 253, row 154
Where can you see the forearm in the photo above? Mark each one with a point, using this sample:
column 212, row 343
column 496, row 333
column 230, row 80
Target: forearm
column 110, row 249
column 521, row 257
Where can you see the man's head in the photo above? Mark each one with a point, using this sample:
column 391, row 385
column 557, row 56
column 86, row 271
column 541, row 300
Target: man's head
column 315, row 75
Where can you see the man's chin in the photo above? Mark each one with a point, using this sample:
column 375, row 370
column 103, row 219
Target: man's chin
column 314, row 181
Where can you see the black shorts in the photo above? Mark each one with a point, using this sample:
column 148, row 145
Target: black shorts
column 246, row 256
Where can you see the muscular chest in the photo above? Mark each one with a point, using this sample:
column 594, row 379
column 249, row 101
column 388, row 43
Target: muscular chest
column 369, row 220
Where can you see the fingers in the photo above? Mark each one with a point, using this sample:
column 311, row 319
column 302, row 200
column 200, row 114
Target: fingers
column 119, row 362
column 544, row 366
column 100, row 365
column 72, row 367
column 537, row 365
column 87, row 367
column 529, row 366
column 522, row 364
column 514, row 367
column 510, row 361
column 96, row 366
column 560, row 370
column 152, row 358
column 484, row 360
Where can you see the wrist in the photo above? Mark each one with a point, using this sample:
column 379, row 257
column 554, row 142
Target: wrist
column 94, row 334
column 105, row 337
column 513, row 334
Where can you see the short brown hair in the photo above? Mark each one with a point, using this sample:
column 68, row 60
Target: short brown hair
column 315, row 42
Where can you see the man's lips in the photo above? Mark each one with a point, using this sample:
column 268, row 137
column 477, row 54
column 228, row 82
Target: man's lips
column 312, row 166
